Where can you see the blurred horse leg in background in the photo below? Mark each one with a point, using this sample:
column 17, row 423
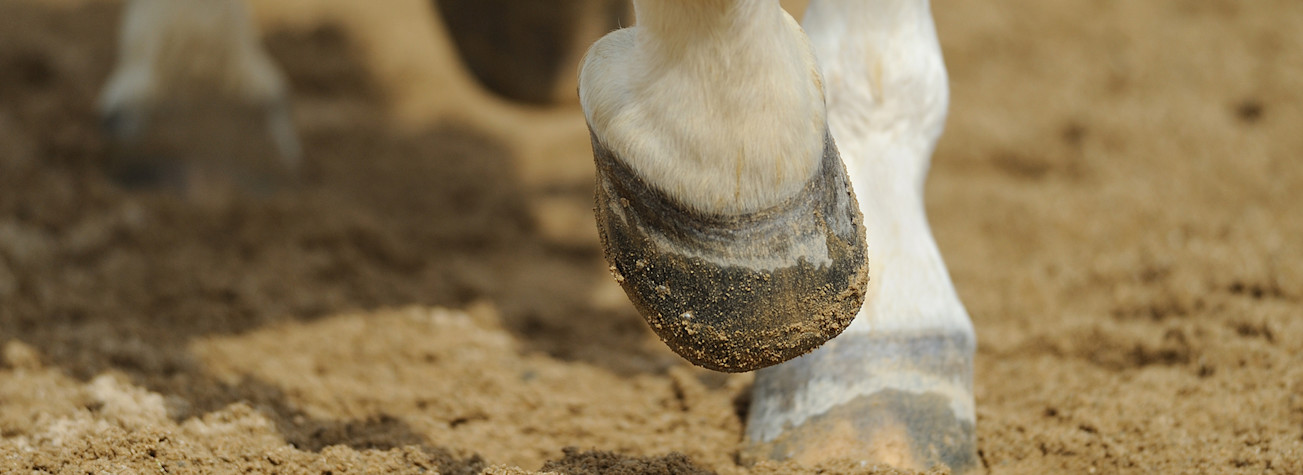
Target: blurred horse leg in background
column 196, row 104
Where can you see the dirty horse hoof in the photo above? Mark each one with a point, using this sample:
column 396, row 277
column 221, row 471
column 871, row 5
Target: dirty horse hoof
column 736, row 292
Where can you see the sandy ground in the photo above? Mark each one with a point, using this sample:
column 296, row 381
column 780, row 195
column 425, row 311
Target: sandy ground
column 1117, row 196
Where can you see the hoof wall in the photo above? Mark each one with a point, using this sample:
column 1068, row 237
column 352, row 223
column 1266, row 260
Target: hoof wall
column 904, row 401
column 202, row 150
column 736, row 293
column 896, row 428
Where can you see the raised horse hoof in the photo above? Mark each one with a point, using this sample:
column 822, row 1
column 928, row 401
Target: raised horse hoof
column 902, row 400
column 736, row 292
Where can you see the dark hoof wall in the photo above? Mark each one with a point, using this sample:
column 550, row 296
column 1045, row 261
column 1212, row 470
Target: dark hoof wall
column 121, row 124
column 904, row 400
column 148, row 173
column 896, row 428
column 736, row 293
column 204, row 151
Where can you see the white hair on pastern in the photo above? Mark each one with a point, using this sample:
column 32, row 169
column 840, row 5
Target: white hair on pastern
column 717, row 103
column 178, row 47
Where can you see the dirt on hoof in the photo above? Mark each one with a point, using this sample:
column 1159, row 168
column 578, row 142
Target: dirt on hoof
column 1116, row 196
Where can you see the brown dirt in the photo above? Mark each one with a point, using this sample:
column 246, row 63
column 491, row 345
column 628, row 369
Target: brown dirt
column 1116, row 195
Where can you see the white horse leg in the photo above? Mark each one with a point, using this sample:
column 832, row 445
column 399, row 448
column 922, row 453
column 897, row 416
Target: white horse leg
column 196, row 68
column 896, row 386
column 722, row 204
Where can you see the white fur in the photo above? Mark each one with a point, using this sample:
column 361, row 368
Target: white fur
column 718, row 103
column 189, row 50
column 168, row 46
column 887, row 98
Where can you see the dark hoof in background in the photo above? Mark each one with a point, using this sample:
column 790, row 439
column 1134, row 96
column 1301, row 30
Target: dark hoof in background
column 736, row 293
column 523, row 50
column 222, row 148
column 121, row 124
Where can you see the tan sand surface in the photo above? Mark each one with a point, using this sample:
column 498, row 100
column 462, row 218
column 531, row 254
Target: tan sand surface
column 1119, row 196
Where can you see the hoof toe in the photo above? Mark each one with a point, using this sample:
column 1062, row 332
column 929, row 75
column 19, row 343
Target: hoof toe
column 736, row 293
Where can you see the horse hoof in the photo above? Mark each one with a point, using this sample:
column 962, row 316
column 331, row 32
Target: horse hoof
column 901, row 400
column 219, row 148
column 736, row 292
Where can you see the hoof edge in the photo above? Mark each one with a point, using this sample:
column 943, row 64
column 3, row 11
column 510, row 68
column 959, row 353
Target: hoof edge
column 736, row 293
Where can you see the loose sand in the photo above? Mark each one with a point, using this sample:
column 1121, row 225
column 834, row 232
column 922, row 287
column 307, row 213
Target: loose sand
column 1117, row 195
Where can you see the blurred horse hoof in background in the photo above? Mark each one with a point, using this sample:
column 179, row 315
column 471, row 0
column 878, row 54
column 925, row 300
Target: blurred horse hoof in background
column 196, row 105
